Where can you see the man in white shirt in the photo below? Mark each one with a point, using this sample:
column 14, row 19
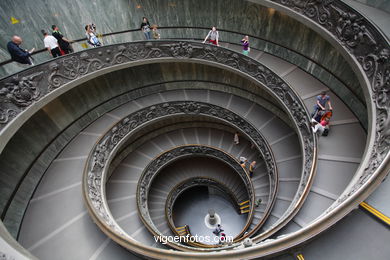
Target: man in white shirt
column 51, row 44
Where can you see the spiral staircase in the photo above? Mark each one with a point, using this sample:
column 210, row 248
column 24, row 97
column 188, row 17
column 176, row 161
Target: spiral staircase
column 119, row 145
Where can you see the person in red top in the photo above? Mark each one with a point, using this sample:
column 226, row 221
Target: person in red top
column 324, row 122
column 320, row 127
column 212, row 36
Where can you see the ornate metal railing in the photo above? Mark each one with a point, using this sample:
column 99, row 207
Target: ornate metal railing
column 226, row 33
column 202, row 29
column 158, row 163
column 105, row 149
column 368, row 53
column 37, row 86
column 66, row 72
column 189, row 183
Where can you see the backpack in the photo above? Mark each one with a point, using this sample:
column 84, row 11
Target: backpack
column 326, row 132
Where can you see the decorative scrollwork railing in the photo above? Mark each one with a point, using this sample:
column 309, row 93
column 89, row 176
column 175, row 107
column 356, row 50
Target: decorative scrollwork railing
column 198, row 52
column 158, row 163
column 104, row 151
column 58, row 76
column 188, row 184
column 370, row 53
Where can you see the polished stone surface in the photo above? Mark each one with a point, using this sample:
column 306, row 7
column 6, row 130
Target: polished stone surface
column 192, row 207
column 357, row 236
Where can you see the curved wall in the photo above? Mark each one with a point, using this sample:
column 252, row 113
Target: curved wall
column 236, row 15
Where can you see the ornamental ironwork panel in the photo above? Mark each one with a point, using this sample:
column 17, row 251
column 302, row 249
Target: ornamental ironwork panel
column 101, row 153
column 158, row 163
column 362, row 40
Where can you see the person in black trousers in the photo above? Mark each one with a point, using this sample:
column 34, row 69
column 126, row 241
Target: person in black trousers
column 51, row 44
column 63, row 42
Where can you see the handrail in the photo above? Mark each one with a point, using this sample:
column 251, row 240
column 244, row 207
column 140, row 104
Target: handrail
column 370, row 62
column 207, row 28
column 167, row 157
column 185, row 50
column 382, row 217
column 65, row 72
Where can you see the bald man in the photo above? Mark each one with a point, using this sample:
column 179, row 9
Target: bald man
column 17, row 53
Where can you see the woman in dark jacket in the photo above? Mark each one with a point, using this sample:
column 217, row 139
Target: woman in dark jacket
column 145, row 27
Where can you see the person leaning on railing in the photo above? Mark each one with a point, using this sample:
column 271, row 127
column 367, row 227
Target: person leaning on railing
column 63, row 42
column 145, row 27
column 90, row 32
column 213, row 36
column 51, row 44
column 18, row 54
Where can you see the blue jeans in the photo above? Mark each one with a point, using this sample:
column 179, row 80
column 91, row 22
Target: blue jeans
column 148, row 35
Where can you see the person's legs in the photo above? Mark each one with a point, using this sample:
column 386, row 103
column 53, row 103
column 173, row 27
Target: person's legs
column 147, row 35
column 314, row 112
column 65, row 50
column 56, row 52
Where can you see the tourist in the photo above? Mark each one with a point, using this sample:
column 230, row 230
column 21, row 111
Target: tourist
column 243, row 161
column 236, row 138
column 252, row 167
column 317, row 127
column 325, row 124
column 213, row 36
column 18, row 54
column 321, row 127
column 218, row 230
column 90, row 32
column 51, row 44
column 258, row 202
column 222, row 239
column 321, row 101
column 63, row 42
column 145, row 27
column 155, row 33
column 245, row 45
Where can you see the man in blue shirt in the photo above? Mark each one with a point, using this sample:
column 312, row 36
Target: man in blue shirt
column 18, row 54
column 321, row 102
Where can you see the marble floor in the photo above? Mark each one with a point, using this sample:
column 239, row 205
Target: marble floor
column 192, row 207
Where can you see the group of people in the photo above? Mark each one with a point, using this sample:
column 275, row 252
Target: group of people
column 213, row 38
column 321, row 115
column 57, row 44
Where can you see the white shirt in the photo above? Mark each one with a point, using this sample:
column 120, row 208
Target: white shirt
column 50, row 42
